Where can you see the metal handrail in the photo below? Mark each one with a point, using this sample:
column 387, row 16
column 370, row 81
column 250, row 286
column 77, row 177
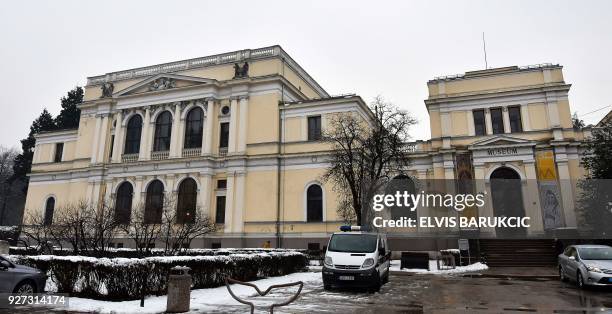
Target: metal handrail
column 229, row 281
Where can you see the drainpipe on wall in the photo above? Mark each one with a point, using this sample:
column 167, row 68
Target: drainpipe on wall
column 278, row 161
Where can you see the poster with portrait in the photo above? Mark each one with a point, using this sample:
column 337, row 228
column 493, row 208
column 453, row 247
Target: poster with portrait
column 550, row 195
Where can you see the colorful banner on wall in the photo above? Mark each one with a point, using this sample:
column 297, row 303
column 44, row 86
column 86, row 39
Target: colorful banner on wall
column 465, row 180
column 550, row 195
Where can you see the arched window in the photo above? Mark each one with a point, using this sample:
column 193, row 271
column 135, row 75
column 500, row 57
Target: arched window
column 401, row 184
column 49, row 209
column 314, row 203
column 163, row 131
column 123, row 204
column 194, row 127
column 154, row 202
column 132, row 137
column 187, row 199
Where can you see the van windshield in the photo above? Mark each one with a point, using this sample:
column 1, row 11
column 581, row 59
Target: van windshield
column 354, row 243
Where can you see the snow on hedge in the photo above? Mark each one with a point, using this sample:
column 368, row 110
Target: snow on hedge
column 120, row 261
column 8, row 228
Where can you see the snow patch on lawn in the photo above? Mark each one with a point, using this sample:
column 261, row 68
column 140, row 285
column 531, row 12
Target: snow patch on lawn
column 202, row 300
column 433, row 266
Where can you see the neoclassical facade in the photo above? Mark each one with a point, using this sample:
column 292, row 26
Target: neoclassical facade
column 238, row 136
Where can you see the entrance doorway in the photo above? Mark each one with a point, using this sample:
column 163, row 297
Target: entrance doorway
column 507, row 196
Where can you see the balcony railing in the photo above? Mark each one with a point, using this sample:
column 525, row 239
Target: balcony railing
column 160, row 155
column 129, row 157
column 222, row 151
column 192, row 152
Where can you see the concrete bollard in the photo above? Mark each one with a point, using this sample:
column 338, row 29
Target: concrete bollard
column 4, row 247
column 179, row 290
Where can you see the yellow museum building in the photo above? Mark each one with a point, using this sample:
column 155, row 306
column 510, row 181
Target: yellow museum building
column 238, row 135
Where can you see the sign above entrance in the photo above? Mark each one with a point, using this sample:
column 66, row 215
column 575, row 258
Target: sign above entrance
column 502, row 151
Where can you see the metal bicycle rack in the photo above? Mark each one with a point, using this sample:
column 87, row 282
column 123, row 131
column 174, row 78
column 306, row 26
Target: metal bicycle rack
column 229, row 281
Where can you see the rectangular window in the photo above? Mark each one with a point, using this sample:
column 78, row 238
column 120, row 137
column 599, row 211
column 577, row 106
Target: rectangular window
column 497, row 121
column 215, row 245
column 224, row 134
column 314, row 128
column 221, row 184
column 59, row 150
column 516, row 125
column 220, row 215
column 479, row 122
column 112, row 143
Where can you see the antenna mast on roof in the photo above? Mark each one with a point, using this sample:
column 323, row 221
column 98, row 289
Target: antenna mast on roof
column 484, row 47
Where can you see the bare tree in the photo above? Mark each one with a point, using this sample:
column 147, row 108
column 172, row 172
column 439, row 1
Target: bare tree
column 366, row 153
column 7, row 156
column 37, row 233
column 142, row 229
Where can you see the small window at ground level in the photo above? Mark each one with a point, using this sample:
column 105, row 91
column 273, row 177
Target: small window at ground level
column 59, row 151
column 314, row 246
column 515, row 119
column 215, row 245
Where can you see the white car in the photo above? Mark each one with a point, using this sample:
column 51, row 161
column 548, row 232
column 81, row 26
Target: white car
column 586, row 265
column 356, row 259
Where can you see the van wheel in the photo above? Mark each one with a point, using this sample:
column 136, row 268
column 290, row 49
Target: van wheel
column 386, row 278
column 376, row 286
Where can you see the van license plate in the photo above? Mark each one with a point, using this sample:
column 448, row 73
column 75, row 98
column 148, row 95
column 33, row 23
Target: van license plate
column 346, row 277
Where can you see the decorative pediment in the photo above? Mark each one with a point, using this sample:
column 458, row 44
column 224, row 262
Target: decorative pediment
column 501, row 140
column 163, row 82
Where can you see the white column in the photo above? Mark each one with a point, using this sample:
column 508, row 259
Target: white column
column 118, row 143
column 488, row 125
column 506, row 118
column 553, row 112
column 567, row 194
column 242, row 122
column 145, row 136
column 233, row 126
column 208, row 133
column 205, row 193
column 229, row 204
column 470, row 123
column 525, row 118
column 446, row 123
column 136, row 201
column 174, row 137
column 531, row 199
column 96, row 139
column 103, row 139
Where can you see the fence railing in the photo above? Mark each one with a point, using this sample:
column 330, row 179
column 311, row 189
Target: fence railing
column 160, row 155
column 192, row 152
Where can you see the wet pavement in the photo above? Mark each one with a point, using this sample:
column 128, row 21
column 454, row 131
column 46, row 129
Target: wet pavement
column 459, row 293
column 492, row 291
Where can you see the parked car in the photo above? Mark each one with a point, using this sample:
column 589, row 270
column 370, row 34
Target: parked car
column 586, row 265
column 20, row 279
column 356, row 259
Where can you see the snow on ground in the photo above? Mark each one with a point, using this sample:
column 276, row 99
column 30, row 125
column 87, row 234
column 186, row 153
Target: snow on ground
column 395, row 266
column 202, row 300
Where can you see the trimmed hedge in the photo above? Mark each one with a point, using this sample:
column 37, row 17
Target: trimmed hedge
column 122, row 278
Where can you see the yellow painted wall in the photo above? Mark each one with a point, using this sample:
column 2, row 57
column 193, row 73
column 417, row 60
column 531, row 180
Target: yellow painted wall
column 459, row 122
column 538, row 116
column 263, row 119
column 66, row 193
column 293, row 129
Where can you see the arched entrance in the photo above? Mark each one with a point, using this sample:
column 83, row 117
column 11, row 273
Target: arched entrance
column 507, row 197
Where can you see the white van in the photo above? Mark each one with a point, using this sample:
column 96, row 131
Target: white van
column 356, row 259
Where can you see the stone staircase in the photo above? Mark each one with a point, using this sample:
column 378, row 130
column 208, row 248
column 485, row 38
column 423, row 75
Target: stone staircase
column 518, row 253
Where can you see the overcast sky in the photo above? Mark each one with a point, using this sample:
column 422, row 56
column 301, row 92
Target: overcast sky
column 367, row 48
